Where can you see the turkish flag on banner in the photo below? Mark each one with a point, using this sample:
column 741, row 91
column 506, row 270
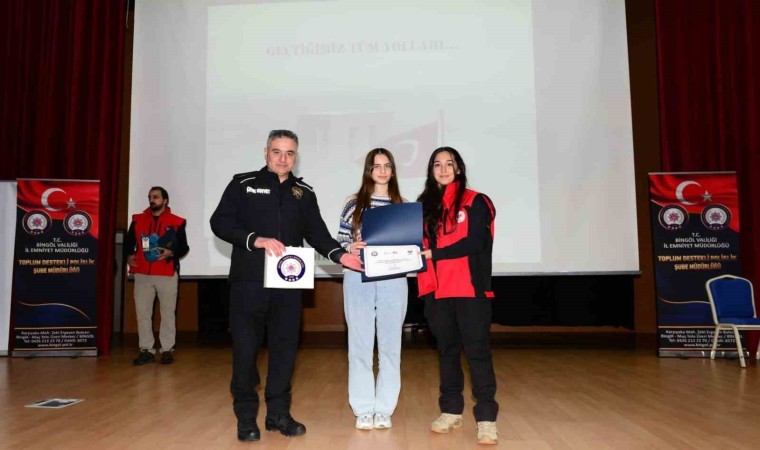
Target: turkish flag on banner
column 59, row 198
column 696, row 192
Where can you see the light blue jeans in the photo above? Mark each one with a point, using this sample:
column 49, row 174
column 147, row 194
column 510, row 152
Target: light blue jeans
column 370, row 306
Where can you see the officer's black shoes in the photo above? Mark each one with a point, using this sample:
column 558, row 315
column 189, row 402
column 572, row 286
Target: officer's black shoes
column 248, row 432
column 285, row 424
column 145, row 357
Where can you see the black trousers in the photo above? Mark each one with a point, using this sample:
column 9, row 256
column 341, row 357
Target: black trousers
column 457, row 324
column 254, row 309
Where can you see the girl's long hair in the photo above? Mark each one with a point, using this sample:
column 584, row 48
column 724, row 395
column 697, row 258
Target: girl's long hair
column 434, row 215
column 364, row 196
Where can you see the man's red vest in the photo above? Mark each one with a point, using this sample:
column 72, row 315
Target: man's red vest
column 145, row 225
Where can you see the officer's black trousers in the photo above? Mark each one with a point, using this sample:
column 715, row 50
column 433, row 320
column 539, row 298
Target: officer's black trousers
column 254, row 309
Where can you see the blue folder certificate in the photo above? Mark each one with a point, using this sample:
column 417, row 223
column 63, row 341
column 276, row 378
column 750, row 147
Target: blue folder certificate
column 393, row 234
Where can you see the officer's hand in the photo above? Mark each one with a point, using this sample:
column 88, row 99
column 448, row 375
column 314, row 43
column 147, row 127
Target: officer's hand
column 353, row 262
column 427, row 254
column 272, row 246
column 131, row 261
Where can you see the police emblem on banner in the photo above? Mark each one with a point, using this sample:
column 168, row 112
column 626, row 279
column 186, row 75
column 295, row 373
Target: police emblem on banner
column 291, row 268
column 673, row 217
column 716, row 217
column 37, row 222
column 77, row 223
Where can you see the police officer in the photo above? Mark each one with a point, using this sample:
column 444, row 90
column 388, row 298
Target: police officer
column 264, row 211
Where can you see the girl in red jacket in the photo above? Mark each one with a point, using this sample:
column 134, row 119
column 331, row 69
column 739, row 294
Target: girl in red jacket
column 456, row 288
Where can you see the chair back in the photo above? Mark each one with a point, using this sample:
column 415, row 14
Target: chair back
column 731, row 296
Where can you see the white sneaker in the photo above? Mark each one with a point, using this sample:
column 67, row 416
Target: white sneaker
column 487, row 433
column 446, row 422
column 364, row 422
column 382, row 421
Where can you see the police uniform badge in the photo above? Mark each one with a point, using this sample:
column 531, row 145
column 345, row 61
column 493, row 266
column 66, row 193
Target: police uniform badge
column 297, row 192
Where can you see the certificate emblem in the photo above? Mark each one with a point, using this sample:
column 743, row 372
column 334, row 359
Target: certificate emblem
column 291, row 268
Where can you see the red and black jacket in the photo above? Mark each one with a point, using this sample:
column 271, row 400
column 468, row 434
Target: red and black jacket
column 146, row 224
column 460, row 266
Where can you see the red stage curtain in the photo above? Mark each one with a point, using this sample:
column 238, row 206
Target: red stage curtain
column 708, row 68
column 61, row 108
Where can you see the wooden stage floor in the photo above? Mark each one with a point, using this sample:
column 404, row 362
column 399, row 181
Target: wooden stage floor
column 550, row 399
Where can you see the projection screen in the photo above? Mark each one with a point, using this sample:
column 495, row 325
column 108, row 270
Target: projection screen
column 533, row 93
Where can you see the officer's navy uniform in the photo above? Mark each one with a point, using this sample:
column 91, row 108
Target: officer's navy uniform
column 257, row 204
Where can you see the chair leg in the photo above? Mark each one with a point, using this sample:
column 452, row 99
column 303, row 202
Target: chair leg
column 715, row 342
column 739, row 347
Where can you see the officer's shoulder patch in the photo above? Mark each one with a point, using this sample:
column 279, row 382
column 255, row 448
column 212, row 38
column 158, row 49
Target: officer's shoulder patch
column 300, row 182
column 244, row 176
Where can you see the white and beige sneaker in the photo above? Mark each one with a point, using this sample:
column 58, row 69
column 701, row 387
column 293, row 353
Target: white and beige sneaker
column 487, row 433
column 382, row 421
column 364, row 422
column 446, row 422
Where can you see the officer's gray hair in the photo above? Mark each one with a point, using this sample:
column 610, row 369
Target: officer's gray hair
column 277, row 134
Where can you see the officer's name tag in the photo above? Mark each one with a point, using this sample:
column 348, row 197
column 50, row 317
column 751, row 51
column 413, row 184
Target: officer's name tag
column 294, row 269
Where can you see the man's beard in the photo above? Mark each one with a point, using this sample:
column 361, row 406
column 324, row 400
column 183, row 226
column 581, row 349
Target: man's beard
column 155, row 208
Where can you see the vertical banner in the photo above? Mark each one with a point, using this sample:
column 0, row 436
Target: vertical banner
column 55, row 261
column 7, row 237
column 695, row 233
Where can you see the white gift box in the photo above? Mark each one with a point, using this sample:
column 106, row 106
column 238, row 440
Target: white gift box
column 294, row 269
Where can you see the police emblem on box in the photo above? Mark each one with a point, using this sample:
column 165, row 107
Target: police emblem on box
column 291, row 268
column 294, row 269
